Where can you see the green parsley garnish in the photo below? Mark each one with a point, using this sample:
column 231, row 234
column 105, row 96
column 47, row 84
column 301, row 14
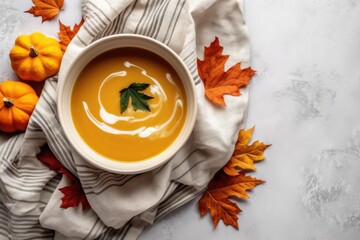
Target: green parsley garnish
column 138, row 99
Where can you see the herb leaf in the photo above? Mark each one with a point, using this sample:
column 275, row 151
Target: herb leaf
column 138, row 99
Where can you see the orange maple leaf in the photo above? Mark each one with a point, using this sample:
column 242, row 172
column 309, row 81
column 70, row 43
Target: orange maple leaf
column 215, row 198
column 66, row 34
column 216, row 81
column 245, row 155
column 47, row 9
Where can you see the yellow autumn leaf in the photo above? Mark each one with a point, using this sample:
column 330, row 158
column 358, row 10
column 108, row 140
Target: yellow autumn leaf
column 244, row 136
column 245, row 155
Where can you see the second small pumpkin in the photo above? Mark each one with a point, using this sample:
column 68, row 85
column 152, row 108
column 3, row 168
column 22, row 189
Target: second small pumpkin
column 35, row 57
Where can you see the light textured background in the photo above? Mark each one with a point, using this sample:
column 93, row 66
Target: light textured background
column 304, row 100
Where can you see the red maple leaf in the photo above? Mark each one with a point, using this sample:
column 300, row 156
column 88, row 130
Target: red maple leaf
column 73, row 194
column 47, row 157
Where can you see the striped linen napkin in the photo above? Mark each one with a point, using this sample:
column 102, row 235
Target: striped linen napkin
column 122, row 205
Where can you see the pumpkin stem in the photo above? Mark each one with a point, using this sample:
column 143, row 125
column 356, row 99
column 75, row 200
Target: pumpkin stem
column 33, row 52
column 8, row 102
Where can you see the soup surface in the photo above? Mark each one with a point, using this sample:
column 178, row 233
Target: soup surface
column 134, row 134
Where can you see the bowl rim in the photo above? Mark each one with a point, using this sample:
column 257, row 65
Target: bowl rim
column 146, row 164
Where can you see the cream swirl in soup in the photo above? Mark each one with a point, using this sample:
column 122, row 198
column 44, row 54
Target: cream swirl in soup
column 159, row 130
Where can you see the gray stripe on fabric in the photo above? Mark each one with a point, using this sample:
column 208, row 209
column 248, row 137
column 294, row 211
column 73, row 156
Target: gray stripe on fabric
column 21, row 228
column 159, row 19
column 112, row 233
column 89, row 31
column 100, row 10
column 96, row 23
column 33, row 127
column 9, row 146
column 99, row 174
column 49, row 99
column 176, row 204
column 58, row 145
column 18, row 217
column 102, row 182
column 82, row 41
column 87, row 167
column 101, row 22
column 104, row 188
column 4, row 227
column 156, row 34
column 21, row 189
column 177, row 19
column 4, row 232
column 124, row 232
column 84, row 7
column 189, row 155
column 193, row 68
column 112, row 185
column 93, row 25
column 105, row 235
column 159, row 170
column 40, row 139
column 101, row 228
column 92, row 229
column 155, row 18
column 176, row 195
column 170, row 22
column 185, row 195
column 52, row 81
column 23, row 181
column 114, row 27
column 128, row 10
column 108, row 30
column 168, row 189
column 142, row 17
column 20, row 222
column 162, row 167
column 43, row 237
column 104, row 179
column 187, row 58
column 191, row 168
column 53, row 183
column 6, row 158
column 147, row 20
column 24, row 170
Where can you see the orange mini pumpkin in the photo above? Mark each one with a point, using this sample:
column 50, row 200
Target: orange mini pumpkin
column 17, row 102
column 35, row 57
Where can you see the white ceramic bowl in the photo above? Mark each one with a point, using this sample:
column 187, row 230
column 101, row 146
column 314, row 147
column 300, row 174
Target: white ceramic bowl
column 70, row 76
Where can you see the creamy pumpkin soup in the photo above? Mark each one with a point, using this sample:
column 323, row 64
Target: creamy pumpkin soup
column 128, row 104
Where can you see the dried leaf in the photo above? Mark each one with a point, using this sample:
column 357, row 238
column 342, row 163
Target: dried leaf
column 48, row 158
column 216, row 81
column 245, row 155
column 73, row 196
column 244, row 136
column 47, row 9
column 216, row 198
column 66, row 34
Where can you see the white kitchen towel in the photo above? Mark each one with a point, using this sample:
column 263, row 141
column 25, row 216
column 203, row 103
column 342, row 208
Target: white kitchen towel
column 122, row 205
